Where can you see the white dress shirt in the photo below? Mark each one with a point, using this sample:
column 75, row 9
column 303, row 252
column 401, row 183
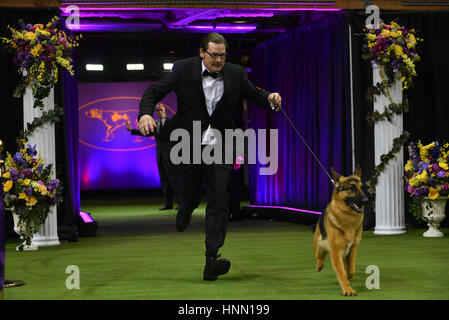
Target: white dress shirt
column 213, row 91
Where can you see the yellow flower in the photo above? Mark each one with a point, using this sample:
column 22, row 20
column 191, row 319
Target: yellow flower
column 7, row 186
column 423, row 177
column 385, row 33
column 394, row 34
column 6, row 175
column 26, row 182
column 398, row 50
column 371, row 37
column 414, row 182
column 32, row 201
column 443, row 165
column 43, row 190
column 30, row 36
column 408, row 166
column 394, row 24
column 433, row 193
column 36, row 50
column 22, row 195
column 45, row 33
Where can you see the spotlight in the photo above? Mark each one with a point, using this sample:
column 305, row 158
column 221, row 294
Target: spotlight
column 86, row 225
column 168, row 66
column 94, row 67
column 136, row 66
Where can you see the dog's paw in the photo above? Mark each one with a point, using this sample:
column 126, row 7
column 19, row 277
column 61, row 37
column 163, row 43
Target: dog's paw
column 350, row 275
column 319, row 265
column 349, row 292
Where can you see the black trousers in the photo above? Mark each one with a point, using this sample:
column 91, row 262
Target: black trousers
column 170, row 182
column 216, row 180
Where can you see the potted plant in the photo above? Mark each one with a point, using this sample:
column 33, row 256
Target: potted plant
column 427, row 182
column 29, row 191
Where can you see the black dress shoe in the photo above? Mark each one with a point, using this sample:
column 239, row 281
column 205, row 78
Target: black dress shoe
column 166, row 208
column 182, row 219
column 215, row 268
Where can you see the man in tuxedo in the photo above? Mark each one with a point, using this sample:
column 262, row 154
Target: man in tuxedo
column 208, row 90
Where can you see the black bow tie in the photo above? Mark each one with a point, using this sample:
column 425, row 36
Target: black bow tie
column 213, row 75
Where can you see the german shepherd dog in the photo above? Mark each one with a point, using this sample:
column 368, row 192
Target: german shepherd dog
column 339, row 229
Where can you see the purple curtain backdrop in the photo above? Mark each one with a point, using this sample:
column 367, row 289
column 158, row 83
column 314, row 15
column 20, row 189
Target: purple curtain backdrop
column 309, row 67
column 72, row 201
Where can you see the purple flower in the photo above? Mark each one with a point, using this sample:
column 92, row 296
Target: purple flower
column 436, row 151
column 39, row 170
column 395, row 64
column 435, row 167
column 18, row 159
column 13, row 173
column 420, row 192
column 26, row 172
column 53, row 184
column 441, row 174
column 445, row 188
column 412, row 152
column 31, row 150
column 423, row 166
column 28, row 191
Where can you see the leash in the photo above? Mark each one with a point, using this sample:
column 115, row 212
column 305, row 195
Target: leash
column 303, row 140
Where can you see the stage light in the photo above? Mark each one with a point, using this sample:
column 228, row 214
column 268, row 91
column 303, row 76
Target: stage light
column 168, row 66
column 135, row 66
column 87, row 227
column 94, row 67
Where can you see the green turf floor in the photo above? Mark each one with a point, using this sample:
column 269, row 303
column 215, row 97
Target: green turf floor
column 138, row 254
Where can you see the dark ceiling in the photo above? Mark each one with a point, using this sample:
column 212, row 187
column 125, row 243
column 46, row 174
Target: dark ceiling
column 114, row 49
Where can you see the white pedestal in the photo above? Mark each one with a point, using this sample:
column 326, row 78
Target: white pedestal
column 44, row 138
column 434, row 212
column 390, row 215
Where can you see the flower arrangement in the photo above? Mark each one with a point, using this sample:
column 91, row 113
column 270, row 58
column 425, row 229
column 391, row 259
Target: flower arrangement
column 38, row 52
column 427, row 171
column 395, row 48
column 426, row 174
column 28, row 189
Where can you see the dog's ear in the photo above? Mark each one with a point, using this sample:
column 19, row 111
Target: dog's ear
column 358, row 171
column 335, row 175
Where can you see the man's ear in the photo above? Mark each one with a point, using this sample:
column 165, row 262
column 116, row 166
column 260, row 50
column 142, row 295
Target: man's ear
column 335, row 175
column 358, row 171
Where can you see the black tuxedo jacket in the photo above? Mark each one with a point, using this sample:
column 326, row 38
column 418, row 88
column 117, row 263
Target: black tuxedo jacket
column 186, row 80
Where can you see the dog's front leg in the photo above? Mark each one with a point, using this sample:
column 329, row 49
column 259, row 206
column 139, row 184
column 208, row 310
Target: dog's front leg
column 339, row 268
column 351, row 262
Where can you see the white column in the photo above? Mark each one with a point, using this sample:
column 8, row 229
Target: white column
column 44, row 139
column 390, row 215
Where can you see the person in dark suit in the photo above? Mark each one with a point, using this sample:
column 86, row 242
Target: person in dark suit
column 208, row 90
column 169, row 173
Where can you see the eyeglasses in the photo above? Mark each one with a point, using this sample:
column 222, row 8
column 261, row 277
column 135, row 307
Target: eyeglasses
column 215, row 56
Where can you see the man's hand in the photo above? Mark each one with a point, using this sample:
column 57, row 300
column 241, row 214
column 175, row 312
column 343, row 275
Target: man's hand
column 146, row 124
column 275, row 101
column 128, row 125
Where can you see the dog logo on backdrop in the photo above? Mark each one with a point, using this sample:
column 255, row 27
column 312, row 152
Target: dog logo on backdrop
column 102, row 124
column 112, row 119
column 339, row 229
